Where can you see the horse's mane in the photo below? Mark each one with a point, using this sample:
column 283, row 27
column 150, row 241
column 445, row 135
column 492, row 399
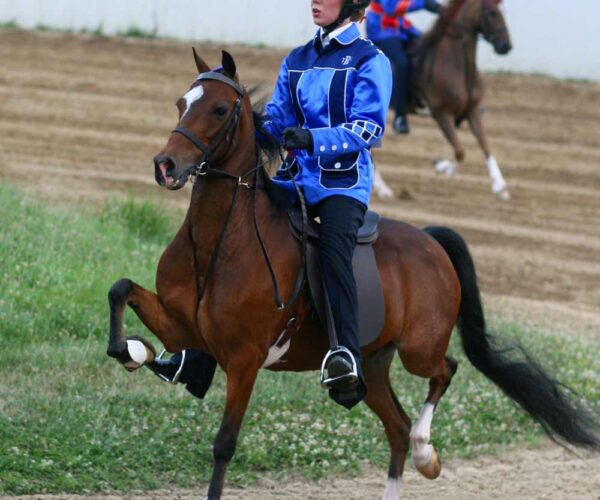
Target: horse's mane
column 269, row 149
column 438, row 30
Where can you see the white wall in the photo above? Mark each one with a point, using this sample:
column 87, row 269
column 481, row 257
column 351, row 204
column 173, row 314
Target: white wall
column 550, row 36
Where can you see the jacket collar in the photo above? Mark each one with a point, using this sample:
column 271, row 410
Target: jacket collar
column 344, row 35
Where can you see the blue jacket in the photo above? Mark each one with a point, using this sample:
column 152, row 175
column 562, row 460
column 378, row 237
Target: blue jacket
column 386, row 19
column 341, row 94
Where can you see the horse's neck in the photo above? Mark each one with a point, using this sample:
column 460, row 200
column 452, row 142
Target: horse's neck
column 210, row 203
column 463, row 50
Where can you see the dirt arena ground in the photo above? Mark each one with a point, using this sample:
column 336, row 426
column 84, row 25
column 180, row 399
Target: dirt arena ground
column 81, row 118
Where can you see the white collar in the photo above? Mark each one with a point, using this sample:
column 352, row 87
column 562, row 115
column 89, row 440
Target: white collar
column 325, row 39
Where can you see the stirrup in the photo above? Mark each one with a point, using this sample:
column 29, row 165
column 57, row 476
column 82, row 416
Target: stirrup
column 175, row 378
column 331, row 382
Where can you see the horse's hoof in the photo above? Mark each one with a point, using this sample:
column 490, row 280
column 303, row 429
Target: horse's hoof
column 140, row 352
column 503, row 195
column 447, row 167
column 433, row 468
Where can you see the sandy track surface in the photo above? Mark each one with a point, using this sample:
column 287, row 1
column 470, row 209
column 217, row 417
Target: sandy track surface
column 549, row 473
column 81, row 118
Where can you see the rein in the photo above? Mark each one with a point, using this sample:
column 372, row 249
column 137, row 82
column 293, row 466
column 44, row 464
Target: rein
column 203, row 168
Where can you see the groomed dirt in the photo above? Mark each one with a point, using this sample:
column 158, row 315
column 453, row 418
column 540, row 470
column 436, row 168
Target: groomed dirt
column 81, row 118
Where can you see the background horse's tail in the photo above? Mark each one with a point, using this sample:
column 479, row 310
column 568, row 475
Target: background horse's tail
column 510, row 367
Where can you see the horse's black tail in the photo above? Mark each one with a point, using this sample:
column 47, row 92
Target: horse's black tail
column 510, row 367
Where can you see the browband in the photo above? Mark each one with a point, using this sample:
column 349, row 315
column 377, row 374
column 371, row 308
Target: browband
column 213, row 75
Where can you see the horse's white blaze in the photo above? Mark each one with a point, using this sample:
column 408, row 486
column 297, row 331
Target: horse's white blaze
column 137, row 353
column 191, row 97
column 447, row 167
column 498, row 182
column 420, row 434
column 382, row 190
column 393, row 489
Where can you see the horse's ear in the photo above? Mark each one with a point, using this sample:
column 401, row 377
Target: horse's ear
column 200, row 64
column 228, row 64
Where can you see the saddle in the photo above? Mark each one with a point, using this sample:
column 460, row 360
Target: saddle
column 371, row 306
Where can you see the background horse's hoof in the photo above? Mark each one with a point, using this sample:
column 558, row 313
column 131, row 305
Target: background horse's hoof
column 503, row 195
column 140, row 352
column 382, row 190
column 433, row 468
column 447, row 167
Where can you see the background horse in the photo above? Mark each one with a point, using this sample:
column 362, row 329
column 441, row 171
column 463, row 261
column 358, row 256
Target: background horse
column 446, row 78
column 215, row 292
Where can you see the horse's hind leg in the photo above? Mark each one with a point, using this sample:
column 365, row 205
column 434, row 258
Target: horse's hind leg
column 499, row 187
column 133, row 352
column 446, row 123
column 382, row 400
column 425, row 457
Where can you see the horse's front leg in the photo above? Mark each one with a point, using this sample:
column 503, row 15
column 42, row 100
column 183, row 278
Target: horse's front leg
column 241, row 375
column 134, row 351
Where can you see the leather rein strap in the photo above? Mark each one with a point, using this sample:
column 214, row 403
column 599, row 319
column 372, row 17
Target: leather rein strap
column 204, row 169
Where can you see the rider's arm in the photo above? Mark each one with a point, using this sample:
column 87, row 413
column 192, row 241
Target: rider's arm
column 397, row 8
column 280, row 111
column 366, row 116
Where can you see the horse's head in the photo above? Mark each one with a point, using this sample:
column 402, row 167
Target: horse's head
column 492, row 26
column 209, row 117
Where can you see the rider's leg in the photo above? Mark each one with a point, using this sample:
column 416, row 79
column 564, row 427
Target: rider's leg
column 394, row 49
column 341, row 217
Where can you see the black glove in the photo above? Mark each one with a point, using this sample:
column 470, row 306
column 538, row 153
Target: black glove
column 297, row 138
column 432, row 6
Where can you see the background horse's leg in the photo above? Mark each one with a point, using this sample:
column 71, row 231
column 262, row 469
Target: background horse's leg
column 382, row 190
column 425, row 457
column 151, row 312
column 499, row 187
column 382, row 400
column 446, row 123
column 240, row 382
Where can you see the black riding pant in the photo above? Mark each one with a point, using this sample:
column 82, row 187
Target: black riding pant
column 341, row 217
column 395, row 50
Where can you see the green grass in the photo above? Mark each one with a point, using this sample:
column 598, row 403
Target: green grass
column 73, row 420
column 11, row 23
column 136, row 32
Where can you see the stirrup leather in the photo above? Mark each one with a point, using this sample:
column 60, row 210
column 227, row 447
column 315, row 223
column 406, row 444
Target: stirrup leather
column 175, row 378
column 326, row 383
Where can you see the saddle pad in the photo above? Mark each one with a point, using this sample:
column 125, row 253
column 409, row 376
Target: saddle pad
column 371, row 305
column 367, row 233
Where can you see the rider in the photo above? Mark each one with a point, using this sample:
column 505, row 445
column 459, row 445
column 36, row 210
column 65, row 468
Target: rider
column 328, row 109
column 389, row 29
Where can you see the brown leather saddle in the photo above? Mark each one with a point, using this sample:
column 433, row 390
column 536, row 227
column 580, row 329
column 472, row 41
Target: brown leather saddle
column 371, row 306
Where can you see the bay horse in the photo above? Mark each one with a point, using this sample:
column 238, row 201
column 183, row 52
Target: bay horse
column 215, row 291
column 446, row 78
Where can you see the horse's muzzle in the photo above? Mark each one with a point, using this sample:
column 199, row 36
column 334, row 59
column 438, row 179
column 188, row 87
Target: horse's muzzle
column 502, row 48
column 165, row 173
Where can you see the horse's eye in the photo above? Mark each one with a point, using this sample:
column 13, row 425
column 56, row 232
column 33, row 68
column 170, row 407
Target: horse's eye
column 221, row 110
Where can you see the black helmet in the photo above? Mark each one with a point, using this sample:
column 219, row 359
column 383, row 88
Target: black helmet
column 349, row 7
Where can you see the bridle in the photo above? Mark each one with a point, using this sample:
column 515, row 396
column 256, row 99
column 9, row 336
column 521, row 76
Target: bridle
column 484, row 24
column 228, row 130
column 204, row 168
column 458, row 31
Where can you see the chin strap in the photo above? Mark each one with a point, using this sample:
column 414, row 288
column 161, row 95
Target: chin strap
column 347, row 10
